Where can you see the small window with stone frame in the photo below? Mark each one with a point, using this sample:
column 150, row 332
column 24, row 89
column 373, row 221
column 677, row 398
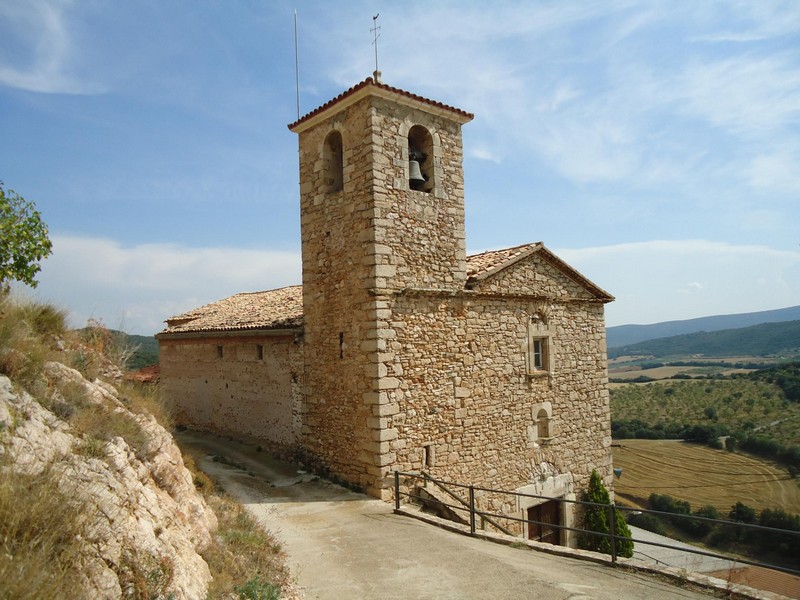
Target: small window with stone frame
column 540, row 359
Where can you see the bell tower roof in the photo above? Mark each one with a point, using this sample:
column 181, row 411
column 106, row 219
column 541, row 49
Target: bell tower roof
column 371, row 87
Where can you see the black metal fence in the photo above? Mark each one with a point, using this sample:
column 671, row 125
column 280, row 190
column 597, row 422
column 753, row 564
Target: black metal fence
column 461, row 500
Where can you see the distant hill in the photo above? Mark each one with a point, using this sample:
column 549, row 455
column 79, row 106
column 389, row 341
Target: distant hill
column 145, row 348
column 624, row 335
column 767, row 339
column 146, row 353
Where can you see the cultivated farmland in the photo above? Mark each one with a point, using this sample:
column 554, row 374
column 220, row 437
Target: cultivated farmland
column 701, row 476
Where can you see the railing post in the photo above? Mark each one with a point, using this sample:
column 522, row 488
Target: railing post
column 472, row 510
column 397, row 490
column 613, row 523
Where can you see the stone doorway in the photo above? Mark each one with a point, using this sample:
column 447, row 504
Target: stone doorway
column 543, row 520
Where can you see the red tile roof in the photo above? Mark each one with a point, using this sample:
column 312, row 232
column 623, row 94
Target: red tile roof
column 283, row 308
column 369, row 81
column 273, row 309
column 486, row 263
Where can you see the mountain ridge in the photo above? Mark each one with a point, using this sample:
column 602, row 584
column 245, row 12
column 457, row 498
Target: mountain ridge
column 626, row 335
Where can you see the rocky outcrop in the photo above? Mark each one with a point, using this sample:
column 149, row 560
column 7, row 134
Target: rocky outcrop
column 142, row 516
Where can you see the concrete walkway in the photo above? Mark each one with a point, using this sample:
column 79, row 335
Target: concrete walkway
column 675, row 557
column 344, row 545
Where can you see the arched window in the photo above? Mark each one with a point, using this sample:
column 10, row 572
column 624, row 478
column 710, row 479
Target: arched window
column 333, row 162
column 543, row 424
column 420, row 159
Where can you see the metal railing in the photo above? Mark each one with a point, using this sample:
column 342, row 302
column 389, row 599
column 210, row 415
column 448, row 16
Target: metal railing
column 410, row 481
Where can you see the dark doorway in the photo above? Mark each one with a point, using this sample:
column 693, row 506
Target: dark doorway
column 542, row 521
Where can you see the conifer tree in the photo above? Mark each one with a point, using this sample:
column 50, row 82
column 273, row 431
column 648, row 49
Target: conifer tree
column 596, row 519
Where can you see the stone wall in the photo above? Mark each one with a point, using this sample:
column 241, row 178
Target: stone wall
column 337, row 240
column 465, row 391
column 224, row 384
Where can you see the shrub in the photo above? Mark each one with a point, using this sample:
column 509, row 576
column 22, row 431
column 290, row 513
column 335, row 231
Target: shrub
column 668, row 504
column 648, row 522
column 596, row 519
column 702, row 528
column 243, row 557
column 256, row 589
column 742, row 513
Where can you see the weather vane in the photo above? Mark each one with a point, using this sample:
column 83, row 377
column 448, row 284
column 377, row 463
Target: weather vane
column 374, row 30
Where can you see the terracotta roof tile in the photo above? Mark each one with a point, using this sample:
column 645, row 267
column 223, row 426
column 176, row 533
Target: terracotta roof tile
column 369, row 81
column 273, row 309
column 479, row 265
column 283, row 308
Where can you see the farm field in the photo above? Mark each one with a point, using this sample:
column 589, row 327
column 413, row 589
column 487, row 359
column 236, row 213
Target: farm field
column 667, row 371
column 701, row 476
column 631, row 367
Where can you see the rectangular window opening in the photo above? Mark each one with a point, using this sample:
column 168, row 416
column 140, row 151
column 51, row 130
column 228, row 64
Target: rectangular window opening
column 219, row 352
column 341, row 344
column 428, row 456
column 539, row 359
column 260, row 352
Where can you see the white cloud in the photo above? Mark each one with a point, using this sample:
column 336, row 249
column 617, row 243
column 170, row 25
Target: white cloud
column 776, row 171
column 137, row 287
column 484, row 153
column 744, row 95
column 681, row 279
column 39, row 29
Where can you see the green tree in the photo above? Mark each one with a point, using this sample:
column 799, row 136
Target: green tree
column 596, row 518
column 23, row 240
column 742, row 513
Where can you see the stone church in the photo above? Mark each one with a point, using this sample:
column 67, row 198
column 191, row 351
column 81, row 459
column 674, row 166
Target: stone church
column 399, row 351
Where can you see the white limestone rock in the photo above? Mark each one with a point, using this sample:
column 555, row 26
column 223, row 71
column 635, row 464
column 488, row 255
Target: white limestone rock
column 143, row 515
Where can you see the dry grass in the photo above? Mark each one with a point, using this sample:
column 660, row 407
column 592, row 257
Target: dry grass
column 38, row 538
column 244, row 559
column 701, row 476
column 147, row 399
column 40, row 532
column 27, row 330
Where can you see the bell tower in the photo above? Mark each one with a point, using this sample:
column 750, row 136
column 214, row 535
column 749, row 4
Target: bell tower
column 382, row 213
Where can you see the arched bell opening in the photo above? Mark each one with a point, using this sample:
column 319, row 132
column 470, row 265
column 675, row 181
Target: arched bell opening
column 420, row 159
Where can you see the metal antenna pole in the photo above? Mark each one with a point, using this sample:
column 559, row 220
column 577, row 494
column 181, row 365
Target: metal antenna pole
column 296, row 66
column 374, row 30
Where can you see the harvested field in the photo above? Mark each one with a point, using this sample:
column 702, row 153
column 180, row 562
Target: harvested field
column 668, row 371
column 701, row 476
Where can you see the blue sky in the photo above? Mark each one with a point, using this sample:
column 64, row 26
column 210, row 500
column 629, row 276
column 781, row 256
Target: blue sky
column 655, row 146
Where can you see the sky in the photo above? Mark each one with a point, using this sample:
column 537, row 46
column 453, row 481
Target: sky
column 654, row 146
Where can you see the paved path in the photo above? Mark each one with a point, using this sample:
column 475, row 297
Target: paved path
column 343, row 545
column 675, row 557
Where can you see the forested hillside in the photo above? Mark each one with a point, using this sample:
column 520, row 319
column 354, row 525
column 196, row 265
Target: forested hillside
column 134, row 351
column 767, row 339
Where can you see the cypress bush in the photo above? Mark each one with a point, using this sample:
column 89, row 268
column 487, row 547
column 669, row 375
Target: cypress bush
column 596, row 519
